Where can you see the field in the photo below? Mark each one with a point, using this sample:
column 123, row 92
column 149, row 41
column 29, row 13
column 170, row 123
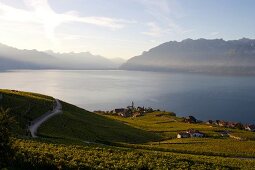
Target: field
column 213, row 144
column 79, row 125
column 51, row 156
column 25, row 106
column 80, row 139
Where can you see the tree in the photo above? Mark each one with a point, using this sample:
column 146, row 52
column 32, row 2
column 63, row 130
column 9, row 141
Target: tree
column 6, row 121
column 239, row 126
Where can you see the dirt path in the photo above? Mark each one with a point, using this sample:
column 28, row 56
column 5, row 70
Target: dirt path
column 35, row 124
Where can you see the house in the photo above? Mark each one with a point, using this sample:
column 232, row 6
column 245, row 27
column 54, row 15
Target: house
column 216, row 122
column 237, row 125
column 190, row 133
column 190, row 119
column 149, row 110
column 183, row 135
column 224, row 133
column 222, row 123
column 126, row 113
column 209, row 122
column 120, row 110
column 195, row 133
column 140, row 109
column 250, row 128
column 137, row 114
column 232, row 124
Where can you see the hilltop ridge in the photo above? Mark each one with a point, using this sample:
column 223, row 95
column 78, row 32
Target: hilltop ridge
column 201, row 55
column 13, row 58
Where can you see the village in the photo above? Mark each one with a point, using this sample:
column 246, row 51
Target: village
column 224, row 133
column 222, row 123
column 132, row 111
column 234, row 125
column 129, row 111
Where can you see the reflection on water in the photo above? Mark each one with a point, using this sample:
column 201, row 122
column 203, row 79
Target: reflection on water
column 204, row 96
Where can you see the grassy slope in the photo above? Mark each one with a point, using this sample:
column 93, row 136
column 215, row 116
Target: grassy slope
column 46, row 156
column 168, row 126
column 25, row 106
column 78, row 124
column 165, row 125
column 74, row 124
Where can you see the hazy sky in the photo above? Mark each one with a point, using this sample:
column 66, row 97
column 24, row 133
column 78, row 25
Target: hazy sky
column 120, row 28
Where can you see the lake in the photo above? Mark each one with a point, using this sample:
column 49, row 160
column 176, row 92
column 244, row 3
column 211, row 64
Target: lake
column 204, row 96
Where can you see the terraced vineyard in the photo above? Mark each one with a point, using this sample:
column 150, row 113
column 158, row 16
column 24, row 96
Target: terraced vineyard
column 79, row 139
column 79, row 125
column 25, row 106
column 213, row 144
column 51, row 156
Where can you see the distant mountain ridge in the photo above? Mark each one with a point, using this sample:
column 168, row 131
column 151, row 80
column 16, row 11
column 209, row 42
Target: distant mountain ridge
column 84, row 60
column 201, row 55
column 13, row 58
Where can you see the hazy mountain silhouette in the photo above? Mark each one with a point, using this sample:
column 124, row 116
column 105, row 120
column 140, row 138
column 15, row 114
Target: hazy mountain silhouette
column 118, row 61
column 84, row 60
column 13, row 58
column 202, row 55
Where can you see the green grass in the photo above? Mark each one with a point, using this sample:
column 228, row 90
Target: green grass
column 131, row 143
column 42, row 155
column 203, row 146
column 168, row 127
column 25, row 106
column 78, row 124
column 165, row 125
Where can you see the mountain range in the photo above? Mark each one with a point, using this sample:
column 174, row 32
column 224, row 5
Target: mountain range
column 201, row 55
column 13, row 58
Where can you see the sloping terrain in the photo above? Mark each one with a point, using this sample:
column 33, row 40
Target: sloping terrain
column 78, row 124
column 167, row 126
column 25, row 107
column 79, row 139
column 201, row 55
column 74, row 124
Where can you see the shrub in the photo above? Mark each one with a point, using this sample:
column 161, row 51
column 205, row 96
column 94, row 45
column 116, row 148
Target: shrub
column 5, row 143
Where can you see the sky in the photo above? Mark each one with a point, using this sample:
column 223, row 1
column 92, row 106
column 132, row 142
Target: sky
column 120, row 28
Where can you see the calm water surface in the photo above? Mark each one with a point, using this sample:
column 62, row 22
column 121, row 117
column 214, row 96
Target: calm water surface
column 204, row 96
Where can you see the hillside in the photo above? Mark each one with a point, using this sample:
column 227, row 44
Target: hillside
column 25, row 107
column 79, row 124
column 214, row 143
column 79, row 139
column 74, row 124
column 202, row 55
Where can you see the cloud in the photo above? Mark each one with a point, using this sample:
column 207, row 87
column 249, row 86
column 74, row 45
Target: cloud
column 161, row 5
column 154, row 30
column 40, row 12
column 164, row 13
column 214, row 33
column 166, row 8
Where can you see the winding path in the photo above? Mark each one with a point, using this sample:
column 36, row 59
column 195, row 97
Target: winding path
column 35, row 124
